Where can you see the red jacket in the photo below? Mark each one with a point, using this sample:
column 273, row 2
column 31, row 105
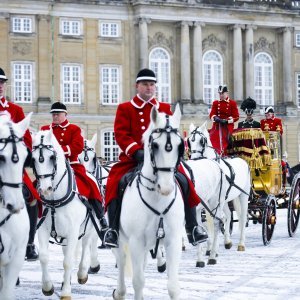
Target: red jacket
column 132, row 120
column 224, row 109
column 273, row 124
column 17, row 114
column 69, row 137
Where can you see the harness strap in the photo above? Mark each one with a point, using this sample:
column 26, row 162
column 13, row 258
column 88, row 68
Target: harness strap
column 189, row 170
column 1, row 224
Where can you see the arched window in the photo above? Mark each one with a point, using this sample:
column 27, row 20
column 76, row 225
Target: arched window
column 212, row 75
column 159, row 62
column 263, row 79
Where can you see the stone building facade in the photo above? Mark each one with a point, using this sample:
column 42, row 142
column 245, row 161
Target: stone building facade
column 87, row 53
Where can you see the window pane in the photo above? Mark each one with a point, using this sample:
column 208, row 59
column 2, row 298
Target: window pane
column 23, row 82
column 110, row 85
column 71, row 84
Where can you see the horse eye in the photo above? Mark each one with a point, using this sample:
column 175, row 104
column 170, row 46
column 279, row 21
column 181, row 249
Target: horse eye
column 155, row 146
column 2, row 158
column 52, row 157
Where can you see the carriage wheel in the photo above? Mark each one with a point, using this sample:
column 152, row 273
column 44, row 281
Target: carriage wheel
column 268, row 220
column 294, row 207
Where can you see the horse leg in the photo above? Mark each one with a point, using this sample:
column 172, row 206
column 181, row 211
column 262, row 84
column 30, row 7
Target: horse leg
column 120, row 292
column 161, row 261
column 212, row 260
column 227, row 219
column 69, row 253
column 43, row 236
column 242, row 221
column 138, row 259
column 173, row 254
column 95, row 265
column 82, row 273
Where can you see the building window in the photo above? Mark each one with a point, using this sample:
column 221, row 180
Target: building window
column 71, row 86
column 263, row 79
column 110, row 149
column 109, row 29
column 297, row 40
column 298, row 88
column 110, row 84
column 212, row 75
column 22, row 25
column 70, row 27
column 159, row 62
column 22, row 83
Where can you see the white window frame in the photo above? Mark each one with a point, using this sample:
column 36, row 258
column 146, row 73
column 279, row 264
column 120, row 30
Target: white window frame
column 297, row 39
column 106, row 29
column 113, row 146
column 297, row 77
column 262, row 89
column 110, row 85
column 71, row 21
column 215, row 78
column 23, row 82
column 72, row 83
column 23, row 26
column 160, row 66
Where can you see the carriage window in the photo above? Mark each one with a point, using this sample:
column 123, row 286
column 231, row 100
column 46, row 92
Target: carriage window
column 110, row 149
column 23, row 80
column 71, row 83
column 159, row 60
column 263, row 79
column 212, row 75
column 110, row 84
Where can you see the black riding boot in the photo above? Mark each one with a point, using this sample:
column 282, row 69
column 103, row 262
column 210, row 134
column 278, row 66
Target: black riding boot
column 194, row 234
column 31, row 252
column 99, row 211
column 112, row 235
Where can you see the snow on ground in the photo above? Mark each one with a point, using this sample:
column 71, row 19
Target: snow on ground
column 261, row 272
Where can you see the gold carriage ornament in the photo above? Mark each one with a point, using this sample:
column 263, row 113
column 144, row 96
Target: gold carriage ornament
column 266, row 127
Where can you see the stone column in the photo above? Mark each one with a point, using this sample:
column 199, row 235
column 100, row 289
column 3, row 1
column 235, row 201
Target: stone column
column 237, row 62
column 197, row 62
column 185, row 62
column 287, row 65
column 143, row 38
column 250, row 61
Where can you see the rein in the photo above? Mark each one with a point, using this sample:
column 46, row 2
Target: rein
column 1, row 224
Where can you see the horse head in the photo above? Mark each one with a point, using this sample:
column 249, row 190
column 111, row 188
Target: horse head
column 13, row 155
column 48, row 159
column 88, row 156
column 163, row 149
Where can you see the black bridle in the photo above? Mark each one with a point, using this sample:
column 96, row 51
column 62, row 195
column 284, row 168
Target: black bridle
column 86, row 158
column 203, row 141
column 168, row 130
column 42, row 147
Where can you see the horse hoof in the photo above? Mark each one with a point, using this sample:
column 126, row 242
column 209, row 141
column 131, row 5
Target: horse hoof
column 200, row 264
column 162, row 268
column 50, row 292
column 83, row 280
column 65, row 298
column 94, row 270
column 212, row 261
column 207, row 253
column 228, row 245
column 183, row 248
column 241, row 248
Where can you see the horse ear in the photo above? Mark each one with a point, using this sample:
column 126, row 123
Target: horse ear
column 24, row 124
column 203, row 127
column 154, row 114
column 192, row 127
column 177, row 113
column 94, row 140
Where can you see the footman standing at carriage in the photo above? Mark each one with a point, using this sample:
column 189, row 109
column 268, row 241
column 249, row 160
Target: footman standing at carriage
column 132, row 120
column 30, row 194
column 69, row 137
column 224, row 113
column 248, row 106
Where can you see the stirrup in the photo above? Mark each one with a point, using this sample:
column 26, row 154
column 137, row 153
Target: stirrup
column 109, row 243
column 191, row 236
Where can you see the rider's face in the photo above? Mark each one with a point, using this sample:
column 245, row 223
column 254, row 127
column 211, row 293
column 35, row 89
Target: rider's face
column 269, row 115
column 223, row 96
column 59, row 117
column 2, row 88
column 146, row 89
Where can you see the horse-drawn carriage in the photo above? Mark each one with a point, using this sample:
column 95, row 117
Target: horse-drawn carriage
column 262, row 151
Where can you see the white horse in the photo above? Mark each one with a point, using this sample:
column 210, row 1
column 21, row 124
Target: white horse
column 14, row 221
column 152, row 207
column 236, row 185
column 88, row 158
column 67, row 218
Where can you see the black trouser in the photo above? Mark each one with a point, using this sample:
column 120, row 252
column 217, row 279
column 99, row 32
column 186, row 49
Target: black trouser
column 33, row 216
column 114, row 212
column 98, row 208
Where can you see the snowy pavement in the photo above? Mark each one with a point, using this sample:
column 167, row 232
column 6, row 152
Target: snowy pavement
column 261, row 272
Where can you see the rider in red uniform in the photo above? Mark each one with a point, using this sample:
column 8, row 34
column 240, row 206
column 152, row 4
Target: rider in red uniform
column 30, row 194
column 69, row 137
column 224, row 113
column 132, row 120
column 271, row 123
